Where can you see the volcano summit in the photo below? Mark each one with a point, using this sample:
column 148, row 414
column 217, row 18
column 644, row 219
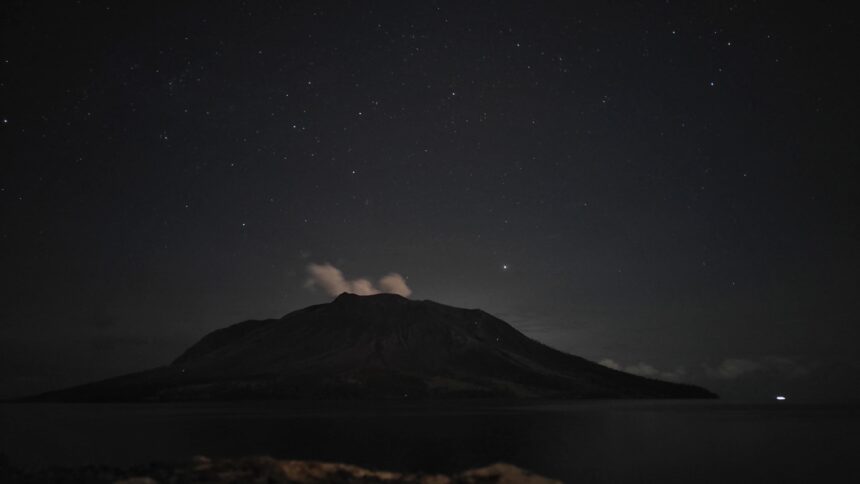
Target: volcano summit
column 380, row 346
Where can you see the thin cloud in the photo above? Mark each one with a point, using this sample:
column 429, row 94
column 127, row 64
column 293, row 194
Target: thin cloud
column 646, row 370
column 331, row 280
column 733, row 368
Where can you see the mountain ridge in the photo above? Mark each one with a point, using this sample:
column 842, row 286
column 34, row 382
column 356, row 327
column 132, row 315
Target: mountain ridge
column 379, row 346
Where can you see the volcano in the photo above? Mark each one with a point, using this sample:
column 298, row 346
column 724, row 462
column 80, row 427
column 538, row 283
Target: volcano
column 380, row 346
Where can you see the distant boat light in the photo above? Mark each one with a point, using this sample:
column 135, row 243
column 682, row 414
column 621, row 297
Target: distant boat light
column 780, row 397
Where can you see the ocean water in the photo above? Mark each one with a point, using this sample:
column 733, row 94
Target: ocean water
column 593, row 441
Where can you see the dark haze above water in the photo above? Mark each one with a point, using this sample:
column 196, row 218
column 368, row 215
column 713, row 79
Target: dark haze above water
column 603, row 441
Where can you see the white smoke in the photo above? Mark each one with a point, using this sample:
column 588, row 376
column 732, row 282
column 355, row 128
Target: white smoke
column 331, row 280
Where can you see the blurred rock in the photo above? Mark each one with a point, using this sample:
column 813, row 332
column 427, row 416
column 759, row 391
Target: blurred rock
column 267, row 470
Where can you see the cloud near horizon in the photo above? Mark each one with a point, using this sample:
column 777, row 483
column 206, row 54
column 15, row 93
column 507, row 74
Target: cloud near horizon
column 729, row 369
column 646, row 370
column 331, row 280
column 733, row 368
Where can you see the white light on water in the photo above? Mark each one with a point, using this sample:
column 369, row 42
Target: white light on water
column 780, row 398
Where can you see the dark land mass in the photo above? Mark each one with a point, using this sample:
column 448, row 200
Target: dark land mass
column 381, row 346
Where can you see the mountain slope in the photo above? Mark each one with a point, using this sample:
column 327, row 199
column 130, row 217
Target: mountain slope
column 382, row 346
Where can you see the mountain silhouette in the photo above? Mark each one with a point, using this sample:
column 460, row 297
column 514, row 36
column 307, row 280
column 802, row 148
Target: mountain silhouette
column 380, row 346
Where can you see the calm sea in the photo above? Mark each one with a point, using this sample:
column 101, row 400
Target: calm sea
column 605, row 441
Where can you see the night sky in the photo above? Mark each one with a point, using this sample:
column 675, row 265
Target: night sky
column 662, row 187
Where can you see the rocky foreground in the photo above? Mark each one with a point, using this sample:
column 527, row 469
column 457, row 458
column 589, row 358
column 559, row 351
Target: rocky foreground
column 264, row 470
